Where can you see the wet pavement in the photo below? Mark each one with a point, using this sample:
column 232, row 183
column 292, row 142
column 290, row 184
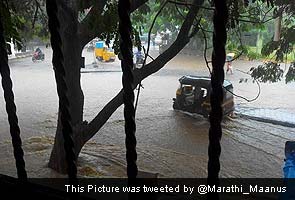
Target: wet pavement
column 171, row 143
column 275, row 102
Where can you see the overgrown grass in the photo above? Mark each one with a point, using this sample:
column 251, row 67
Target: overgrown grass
column 251, row 53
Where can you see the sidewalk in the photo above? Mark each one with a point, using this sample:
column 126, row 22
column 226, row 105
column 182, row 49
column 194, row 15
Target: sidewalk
column 20, row 55
column 101, row 67
column 274, row 104
column 269, row 115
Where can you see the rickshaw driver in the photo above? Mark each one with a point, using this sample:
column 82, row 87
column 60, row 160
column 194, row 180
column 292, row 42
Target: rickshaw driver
column 198, row 97
column 188, row 95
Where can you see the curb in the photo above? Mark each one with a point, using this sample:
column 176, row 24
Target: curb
column 22, row 55
column 268, row 120
column 92, row 69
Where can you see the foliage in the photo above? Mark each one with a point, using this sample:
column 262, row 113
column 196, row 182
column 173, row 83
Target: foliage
column 24, row 21
column 283, row 46
column 255, row 14
column 10, row 24
column 268, row 72
column 28, row 20
column 253, row 55
column 244, row 17
column 170, row 18
column 290, row 76
column 271, row 71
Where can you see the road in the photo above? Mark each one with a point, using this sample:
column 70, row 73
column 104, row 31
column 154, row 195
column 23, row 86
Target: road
column 172, row 143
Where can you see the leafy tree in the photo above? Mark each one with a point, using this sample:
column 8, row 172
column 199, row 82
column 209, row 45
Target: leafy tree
column 270, row 71
column 24, row 21
column 11, row 24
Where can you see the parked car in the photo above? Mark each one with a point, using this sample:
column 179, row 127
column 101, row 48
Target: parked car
column 193, row 95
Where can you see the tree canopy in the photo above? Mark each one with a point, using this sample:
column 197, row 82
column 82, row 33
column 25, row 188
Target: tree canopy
column 28, row 19
column 24, row 21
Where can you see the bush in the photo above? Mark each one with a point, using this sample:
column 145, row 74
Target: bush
column 253, row 55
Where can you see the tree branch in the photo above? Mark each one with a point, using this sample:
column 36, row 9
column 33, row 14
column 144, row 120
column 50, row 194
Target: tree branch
column 135, row 4
column 182, row 39
column 35, row 15
column 189, row 4
column 86, row 33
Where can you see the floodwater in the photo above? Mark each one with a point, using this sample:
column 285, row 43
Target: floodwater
column 170, row 143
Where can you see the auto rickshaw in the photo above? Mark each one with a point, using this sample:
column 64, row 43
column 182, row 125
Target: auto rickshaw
column 103, row 53
column 193, row 95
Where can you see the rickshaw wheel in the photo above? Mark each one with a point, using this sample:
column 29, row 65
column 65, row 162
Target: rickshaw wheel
column 175, row 106
column 205, row 114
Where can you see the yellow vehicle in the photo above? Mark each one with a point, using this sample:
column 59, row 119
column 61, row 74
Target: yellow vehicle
column 103, row 53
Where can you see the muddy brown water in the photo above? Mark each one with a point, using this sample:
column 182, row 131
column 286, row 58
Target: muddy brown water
column 171, row 143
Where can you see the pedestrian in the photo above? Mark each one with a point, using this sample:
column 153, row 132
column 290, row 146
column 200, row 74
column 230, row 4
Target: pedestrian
column 139, row 57
column 229, row 58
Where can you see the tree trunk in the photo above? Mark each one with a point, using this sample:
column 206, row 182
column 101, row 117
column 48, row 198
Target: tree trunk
column 72, row 51
column 139, row 74
column 278, row 27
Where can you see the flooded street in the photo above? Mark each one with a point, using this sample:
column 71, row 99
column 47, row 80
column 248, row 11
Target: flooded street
column 170, row 143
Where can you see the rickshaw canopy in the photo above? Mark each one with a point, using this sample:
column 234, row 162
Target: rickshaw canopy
column 202, row 81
